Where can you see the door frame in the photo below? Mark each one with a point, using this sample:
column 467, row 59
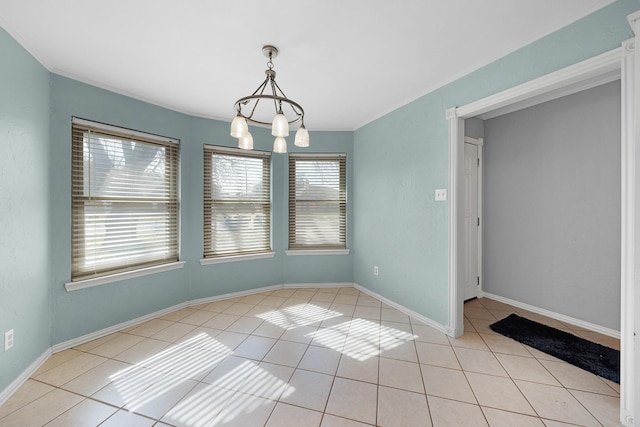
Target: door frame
column 580, row 76
column 478, row 142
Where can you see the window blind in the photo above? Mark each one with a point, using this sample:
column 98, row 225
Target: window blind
column 124, row 213
column 237, row 202
column 317, row 201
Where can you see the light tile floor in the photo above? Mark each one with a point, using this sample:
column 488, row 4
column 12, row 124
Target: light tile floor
column 312, row 357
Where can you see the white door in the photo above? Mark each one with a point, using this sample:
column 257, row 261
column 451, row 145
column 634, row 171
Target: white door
column 471, row 221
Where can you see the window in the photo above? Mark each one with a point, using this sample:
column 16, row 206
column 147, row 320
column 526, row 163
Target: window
column 317, row 201
column 124, row 213
column 237, row 202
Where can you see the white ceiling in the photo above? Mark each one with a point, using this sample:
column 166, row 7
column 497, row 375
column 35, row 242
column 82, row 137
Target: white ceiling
column 347, row 62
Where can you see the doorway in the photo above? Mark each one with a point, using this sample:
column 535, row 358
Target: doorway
column 617, row 63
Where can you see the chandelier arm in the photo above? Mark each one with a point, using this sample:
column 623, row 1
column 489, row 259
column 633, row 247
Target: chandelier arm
column 295, row 110
column 260, row 89
column 253, row 110
column 293, row 105
column 276, row 105
column 275, row 99
column 278, row 86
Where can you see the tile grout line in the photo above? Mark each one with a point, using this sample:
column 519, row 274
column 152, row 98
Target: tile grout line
column 534, row 382
column 307, row 300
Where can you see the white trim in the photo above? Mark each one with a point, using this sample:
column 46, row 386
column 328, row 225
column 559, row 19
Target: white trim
column 633, row 19
column 481, row 226
column 317, row 155
column 589, row 69
column 296, row 252
column 475, row 141
column 115, row 328
column 455, row 323
column 557, row 316
column 209, row 300
column 260, row 154
column 574, row 74
column 630, row 324
column 123, row 131
column 404, row 309
column 627, row 240
column 550, row 96
column 317, row 285
column 138, row 320
column 97, row 281
column 235, row 258
column 24, row 376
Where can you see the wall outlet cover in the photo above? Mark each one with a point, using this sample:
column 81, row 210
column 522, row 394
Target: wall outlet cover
column 8, row 340
column 441, row 194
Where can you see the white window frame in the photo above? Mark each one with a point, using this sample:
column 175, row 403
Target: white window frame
column 295, row 248
column 118, row 273
column 209, row 203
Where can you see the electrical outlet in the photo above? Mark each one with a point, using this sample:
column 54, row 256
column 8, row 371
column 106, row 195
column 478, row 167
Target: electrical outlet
column 8, row 340
column 441, row 195
column 375, row 270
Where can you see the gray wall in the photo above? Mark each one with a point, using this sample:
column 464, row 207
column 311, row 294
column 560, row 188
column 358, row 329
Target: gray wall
column 474, row 128
column 552, row 206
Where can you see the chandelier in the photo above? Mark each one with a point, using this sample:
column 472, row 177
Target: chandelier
column 280, row 123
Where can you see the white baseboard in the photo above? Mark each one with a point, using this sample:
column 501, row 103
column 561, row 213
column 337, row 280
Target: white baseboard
column 239, row 294
column 561, row 317
column 138, row 320
column 8, row 392
column 404, row 309
column 115, row 328
column 318, row 285
column 24, row 376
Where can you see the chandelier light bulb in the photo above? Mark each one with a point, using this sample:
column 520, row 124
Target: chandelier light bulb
column 302, row 137
column 239, row 126
column 246, row 142
column 280, row 125
column 280, row 145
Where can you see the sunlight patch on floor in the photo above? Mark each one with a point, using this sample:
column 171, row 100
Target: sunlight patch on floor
column 212, row 400
column 298, row 315
column 361, row 339
column 148, row 380
column 200, row 407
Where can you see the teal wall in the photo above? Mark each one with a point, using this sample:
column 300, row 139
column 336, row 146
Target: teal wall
column 80, row 312
column 24, row 209
column 402, row 158
column 84, row 311
column 394, row 165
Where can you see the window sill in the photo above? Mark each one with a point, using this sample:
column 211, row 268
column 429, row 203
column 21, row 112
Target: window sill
column 235, row 258
column 296, row 252
column 89, row 283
